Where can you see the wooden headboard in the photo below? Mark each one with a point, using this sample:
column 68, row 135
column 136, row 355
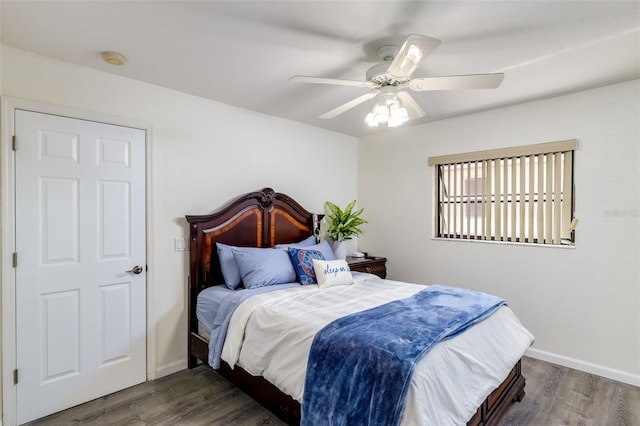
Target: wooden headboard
column 258, row 219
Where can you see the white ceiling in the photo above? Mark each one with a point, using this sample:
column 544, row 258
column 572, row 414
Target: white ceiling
column 243, row 52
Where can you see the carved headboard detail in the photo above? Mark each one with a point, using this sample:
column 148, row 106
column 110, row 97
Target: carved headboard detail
column 258, row 219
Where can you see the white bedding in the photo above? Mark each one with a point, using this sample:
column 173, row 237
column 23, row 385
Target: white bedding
column 270, row 335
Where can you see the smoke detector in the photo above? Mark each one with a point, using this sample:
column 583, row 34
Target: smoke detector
column 113, row 58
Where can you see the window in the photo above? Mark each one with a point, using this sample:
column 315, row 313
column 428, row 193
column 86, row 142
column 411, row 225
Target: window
column 522, row 194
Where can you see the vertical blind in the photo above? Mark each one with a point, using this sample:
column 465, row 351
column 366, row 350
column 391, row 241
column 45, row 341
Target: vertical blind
column 521, row 194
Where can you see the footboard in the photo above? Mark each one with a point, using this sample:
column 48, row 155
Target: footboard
column 492, row 409
column 288, row 409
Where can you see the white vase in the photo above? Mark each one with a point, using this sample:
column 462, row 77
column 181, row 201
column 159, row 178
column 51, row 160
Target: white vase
column 344, row 248
column 339, row 249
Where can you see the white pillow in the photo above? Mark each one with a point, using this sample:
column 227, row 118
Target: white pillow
column 332, row 272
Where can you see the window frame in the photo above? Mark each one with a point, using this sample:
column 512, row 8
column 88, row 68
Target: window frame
column 556, row 231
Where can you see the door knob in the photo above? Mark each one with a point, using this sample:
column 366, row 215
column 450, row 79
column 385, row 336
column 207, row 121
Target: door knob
column 136, row 269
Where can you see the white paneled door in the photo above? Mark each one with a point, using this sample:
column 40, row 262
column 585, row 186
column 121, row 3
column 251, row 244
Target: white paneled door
column 81, row 263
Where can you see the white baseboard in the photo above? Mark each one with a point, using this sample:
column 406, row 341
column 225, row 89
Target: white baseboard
column 576, row 364
column 174, row 367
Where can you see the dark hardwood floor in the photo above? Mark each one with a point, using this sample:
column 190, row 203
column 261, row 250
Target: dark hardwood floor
column 555, row 396
column 189, row 397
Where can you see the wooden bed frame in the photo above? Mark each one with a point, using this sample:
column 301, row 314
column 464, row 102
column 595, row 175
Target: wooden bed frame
column 263, row 219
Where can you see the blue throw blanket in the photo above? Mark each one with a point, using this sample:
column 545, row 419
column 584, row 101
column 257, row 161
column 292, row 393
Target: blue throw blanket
column 360, row 366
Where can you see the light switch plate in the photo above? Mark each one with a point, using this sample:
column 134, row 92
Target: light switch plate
column 181, row 244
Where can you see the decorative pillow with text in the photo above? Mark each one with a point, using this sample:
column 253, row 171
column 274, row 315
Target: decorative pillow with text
column 332, row 272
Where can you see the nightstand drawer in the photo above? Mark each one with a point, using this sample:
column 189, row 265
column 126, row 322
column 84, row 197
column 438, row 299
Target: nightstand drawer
column 369, row 264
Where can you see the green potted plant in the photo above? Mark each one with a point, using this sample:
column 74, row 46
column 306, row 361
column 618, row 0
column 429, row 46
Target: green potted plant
column 343, row 225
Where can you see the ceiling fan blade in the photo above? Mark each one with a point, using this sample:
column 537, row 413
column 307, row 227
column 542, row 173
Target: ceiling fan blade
column 347, row 106
column 334, row 81
column 413, row 109
column 411, row 55
column 457, row 82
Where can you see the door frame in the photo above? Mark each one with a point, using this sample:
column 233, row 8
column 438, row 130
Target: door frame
column 8, row 107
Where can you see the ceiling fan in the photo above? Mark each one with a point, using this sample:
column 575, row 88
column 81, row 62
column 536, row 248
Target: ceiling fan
column 389, row 79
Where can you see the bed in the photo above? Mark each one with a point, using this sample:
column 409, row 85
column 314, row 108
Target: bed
column 263, row 219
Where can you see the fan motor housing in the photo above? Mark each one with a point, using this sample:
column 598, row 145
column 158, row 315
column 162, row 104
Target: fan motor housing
column 377, row 72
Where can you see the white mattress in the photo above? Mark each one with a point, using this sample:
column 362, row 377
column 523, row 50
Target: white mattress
column 203, row 331
column 271, row 334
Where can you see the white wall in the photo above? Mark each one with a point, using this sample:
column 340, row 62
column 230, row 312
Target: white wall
column 582, row 304
column 204, row 154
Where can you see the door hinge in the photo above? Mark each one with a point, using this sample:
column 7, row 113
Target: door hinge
column 13, row 142
column 15, row 260
column 15, row 376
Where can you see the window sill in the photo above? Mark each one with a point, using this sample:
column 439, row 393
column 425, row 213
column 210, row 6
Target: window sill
column 509, row 243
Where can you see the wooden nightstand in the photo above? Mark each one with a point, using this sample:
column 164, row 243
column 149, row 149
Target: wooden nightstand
column 371, row 264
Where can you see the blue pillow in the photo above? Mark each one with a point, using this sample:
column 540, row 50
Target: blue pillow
column 324, row 248
column 303, row 264
column 309, row 241
column 230, row 272
column 260, row 267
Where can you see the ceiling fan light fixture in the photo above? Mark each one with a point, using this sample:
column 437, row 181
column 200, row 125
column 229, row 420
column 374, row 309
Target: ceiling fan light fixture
column 371, row 120
column 388, row 109
column 393, row 123
column 398, row 117
column 381, row 113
